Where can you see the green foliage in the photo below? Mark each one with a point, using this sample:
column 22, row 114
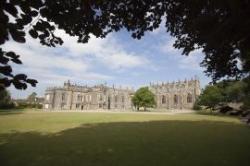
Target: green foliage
column 246, row 99
column 5, row 100
column 225, row 92
column 143, row 97
column 211, row 96
column 234, row 91
column 196, row 106
column 23, row 105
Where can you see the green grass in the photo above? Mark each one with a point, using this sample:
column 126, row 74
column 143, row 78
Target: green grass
column 104, row 139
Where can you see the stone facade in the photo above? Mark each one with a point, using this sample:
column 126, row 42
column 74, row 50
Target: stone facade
column 176, row 95
column 74, row 97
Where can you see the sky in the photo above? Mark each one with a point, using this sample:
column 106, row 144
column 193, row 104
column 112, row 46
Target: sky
column 117, row 59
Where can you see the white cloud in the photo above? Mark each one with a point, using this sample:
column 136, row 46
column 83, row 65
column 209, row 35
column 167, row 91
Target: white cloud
column 74, row 61
column 106, row 51
column 168, row 48
column 190, row 62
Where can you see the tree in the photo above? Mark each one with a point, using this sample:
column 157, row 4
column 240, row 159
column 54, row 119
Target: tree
column 235, row 91
column 5, row 99
column 211, row 97
column 219, row 28
column 143, row 97
column 225, row 92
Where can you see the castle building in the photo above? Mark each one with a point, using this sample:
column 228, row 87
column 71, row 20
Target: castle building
column 175, row 95
column 74, row 97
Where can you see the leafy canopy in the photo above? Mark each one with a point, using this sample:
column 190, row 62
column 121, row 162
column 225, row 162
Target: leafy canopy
column 143, row 97
column 211, row 96
column 225, row 92
column 219, row 28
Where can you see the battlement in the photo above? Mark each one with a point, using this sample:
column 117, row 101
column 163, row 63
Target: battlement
column 85, row 88
column 178, row 83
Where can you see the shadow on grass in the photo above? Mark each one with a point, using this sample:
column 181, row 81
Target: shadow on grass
column 131, row 143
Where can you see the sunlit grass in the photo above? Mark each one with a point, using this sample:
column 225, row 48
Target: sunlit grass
column 41, row 121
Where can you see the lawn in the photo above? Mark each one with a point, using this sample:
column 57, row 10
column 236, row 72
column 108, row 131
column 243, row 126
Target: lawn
column 121, row 139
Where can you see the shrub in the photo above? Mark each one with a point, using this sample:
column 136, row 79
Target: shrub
column 197, row 106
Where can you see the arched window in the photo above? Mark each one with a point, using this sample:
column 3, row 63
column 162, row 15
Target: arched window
column 163, row 99
column 123, row 99
column 189, row 98
column 175, row 99
column 79, row 98
column 63, row 96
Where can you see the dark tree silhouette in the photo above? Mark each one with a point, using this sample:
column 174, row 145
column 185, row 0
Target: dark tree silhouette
column 219, row 28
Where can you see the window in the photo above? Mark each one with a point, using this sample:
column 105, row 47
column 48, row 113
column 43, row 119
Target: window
column 79, row 98
column 163, row 99
column 123, row 99
column 63, row 105
column 189, row 98
column 175, row 99
column 77, row 105
column 63, row 97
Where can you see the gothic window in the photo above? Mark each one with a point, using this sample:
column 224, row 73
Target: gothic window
column 100, row 97
column 109, row 99
column 163, row 99
column 175, row 99
column 189, row 98
column 79, row 98
column 63, row 97
column 123, row 99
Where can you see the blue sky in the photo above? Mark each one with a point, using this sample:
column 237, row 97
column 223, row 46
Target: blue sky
column 118, row 59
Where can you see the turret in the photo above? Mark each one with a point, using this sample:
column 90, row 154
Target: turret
column 67, row 84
